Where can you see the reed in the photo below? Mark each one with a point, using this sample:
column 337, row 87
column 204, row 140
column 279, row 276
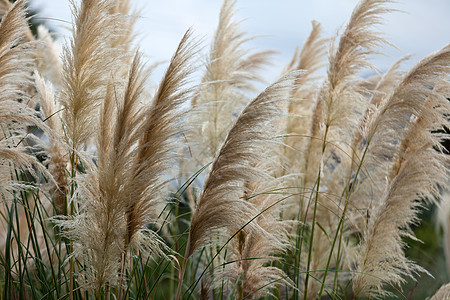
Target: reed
column 309, row 189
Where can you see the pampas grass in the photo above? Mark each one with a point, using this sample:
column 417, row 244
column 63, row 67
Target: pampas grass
column 444, row 222
column 235, row 169
column 123, row 193
column 309, row 190
column 86, row 70
column 15, row 74
column 230, row 72
column 442, row 293
column 236, row 166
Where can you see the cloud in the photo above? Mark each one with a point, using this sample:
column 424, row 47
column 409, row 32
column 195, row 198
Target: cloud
column 422, row 29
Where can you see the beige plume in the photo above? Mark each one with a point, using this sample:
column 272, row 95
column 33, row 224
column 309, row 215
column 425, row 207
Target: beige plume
column 231, row 71
column 412, row 113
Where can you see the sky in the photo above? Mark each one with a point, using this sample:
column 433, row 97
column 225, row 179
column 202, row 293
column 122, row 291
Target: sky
column 420, row 27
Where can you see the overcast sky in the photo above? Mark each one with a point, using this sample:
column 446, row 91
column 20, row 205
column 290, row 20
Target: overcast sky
column 421, row 28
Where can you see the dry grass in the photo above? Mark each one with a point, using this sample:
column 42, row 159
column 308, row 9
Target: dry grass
column 309, row 191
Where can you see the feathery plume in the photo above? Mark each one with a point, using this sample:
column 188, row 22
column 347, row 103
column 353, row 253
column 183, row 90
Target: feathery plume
column 15, row 69
column 388, row 82
column 252, row 252
column 412, row 113
column 48, row 60
column 5, row 5
column 16, row 150
column 299, row 120
column 339, row 104
column 159, row 139
column 136, row 146
column 87, row 65
column 382, row 88
column 123, row 36
column 230, row 73
column 100, row 228
column 379, row 88
column 220, row 204
column 443, row 293
column 339, row 101
column 387, row 124
column 408, row 98
column 309, row 59
column 58, row 159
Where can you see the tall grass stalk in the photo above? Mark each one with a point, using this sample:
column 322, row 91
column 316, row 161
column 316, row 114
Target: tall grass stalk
column 113, row 187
